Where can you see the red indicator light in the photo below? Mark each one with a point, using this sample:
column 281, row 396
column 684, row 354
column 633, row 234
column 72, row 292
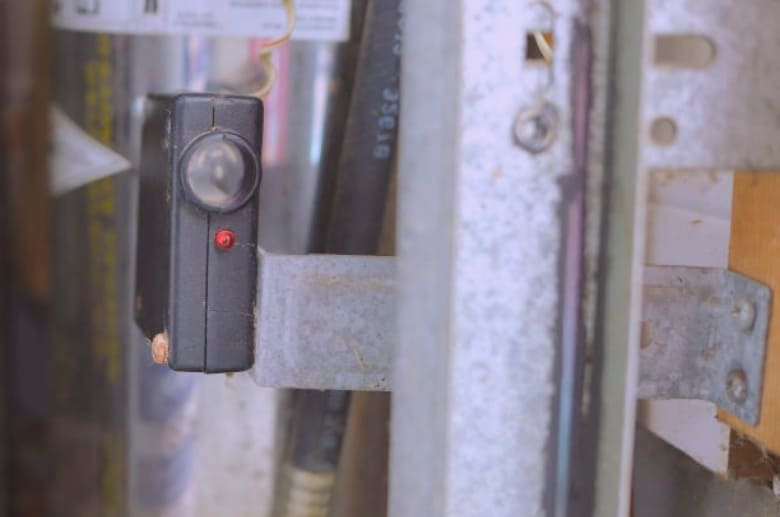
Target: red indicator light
column 225, row 239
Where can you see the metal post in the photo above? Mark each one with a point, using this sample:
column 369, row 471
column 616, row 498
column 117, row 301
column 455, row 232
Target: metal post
column 618, row 320
column 494, row 154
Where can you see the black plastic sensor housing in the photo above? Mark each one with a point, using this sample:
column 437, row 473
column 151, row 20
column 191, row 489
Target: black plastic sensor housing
column 196, row 253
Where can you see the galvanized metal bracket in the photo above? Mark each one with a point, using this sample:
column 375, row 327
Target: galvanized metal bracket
column 325, row 322
column 704, row 337
column 328, row 322
column 710, row 75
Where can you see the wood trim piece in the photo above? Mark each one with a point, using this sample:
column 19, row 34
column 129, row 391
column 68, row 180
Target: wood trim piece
column 754, row 251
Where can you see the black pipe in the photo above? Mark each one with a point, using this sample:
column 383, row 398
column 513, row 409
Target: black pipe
column 351, row 213
column 366, row 162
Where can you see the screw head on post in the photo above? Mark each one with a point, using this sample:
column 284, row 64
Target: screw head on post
column 535, row 128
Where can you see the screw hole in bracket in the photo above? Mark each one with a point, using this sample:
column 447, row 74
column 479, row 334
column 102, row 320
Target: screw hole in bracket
column 663, row 131
column 683, row 51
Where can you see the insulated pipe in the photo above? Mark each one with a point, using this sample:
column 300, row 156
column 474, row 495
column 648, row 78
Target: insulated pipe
column 351, row 217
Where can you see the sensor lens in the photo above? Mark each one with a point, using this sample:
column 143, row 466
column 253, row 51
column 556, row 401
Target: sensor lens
column 219, row 172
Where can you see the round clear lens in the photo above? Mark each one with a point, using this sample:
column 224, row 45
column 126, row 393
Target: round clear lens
column 219, row 173
column 215, row 172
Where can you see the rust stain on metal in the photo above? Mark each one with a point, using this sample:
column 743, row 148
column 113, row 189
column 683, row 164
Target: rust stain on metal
column 356, row 352
column 353, row 283
column 647, row 334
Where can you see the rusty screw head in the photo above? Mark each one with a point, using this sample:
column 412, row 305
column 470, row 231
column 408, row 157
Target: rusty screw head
column 736, row 386
column 160, row 349
column 744, row 313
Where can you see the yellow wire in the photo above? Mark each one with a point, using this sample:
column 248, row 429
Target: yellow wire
column 271, row 45
column 544, row 46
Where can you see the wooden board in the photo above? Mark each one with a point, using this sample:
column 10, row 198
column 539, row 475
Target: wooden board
column 754, row 250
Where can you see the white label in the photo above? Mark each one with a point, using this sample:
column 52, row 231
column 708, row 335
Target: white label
column 318, row 20
column 77, row 158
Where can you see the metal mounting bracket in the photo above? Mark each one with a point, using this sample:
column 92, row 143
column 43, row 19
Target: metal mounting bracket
column 325, row 322
column 704, row 337
column 328, row 322
column 710, row 80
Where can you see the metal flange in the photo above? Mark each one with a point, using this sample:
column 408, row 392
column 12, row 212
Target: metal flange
column 328, row 322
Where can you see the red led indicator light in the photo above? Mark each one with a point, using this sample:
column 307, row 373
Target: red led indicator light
column 225, row 239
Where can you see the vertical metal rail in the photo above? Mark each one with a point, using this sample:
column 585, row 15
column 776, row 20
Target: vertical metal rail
column 499, row 224
column 430, row 85
column 623, row 250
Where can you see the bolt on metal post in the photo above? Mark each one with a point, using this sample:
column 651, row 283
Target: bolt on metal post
column 535, row 127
